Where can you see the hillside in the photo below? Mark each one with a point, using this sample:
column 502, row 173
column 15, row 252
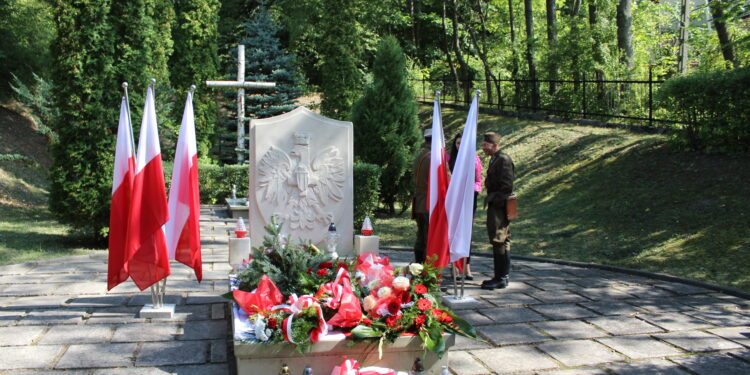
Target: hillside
column 616, row 197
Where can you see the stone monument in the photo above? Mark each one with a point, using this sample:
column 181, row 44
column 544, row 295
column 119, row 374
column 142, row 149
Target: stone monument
column 301, row 173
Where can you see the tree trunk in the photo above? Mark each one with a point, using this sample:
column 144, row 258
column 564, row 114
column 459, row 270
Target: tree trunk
column 460, row 56
column 413, row 28
column 625, row 32
column 574, row 6
column 717, row 13
column 481, row 48
column 682, row 60
column 447, row 50
column 598, row 58
column 552, row 42
column 514, row 64
column 528, row 12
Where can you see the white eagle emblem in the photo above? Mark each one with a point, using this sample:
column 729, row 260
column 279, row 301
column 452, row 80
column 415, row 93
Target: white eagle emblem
column 298, row 188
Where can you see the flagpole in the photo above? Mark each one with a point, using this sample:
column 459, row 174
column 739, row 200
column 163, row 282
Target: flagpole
column 130, row 121
column 157, row 289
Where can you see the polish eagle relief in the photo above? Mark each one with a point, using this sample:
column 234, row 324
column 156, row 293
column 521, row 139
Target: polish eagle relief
column 300, row 189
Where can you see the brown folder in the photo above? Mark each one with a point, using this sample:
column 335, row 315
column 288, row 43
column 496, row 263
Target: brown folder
column 511, row 207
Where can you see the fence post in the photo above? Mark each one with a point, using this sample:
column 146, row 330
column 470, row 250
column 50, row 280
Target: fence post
column 650, row 96
column 584, row 95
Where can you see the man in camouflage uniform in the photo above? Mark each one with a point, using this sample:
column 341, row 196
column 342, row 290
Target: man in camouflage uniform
column 499, row 184
column 419, row 210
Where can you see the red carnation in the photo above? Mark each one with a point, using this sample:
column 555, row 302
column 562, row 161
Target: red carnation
column 436, row 313
column 424, row 304
column 391, row 321
column 325, row 265
column 272, row 323
column 343, row 265
column 445, row 318
column 309, row 270
column 322, row 272
column 394, row 306
column 367, row 322
column 405, row 297
column 419, row 320
column 420, row 289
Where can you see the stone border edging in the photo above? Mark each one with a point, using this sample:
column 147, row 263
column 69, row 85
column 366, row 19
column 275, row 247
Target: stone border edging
column 629, row 271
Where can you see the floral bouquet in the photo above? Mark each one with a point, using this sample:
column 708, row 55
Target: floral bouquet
column 290, row 294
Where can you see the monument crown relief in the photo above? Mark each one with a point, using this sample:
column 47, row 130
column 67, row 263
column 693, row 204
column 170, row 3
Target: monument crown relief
column 302, row 190
column 301, row 173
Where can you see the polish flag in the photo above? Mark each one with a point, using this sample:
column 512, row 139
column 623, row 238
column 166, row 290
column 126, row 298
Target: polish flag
column 437, row 235
column 122, row 184
column 182, row 229
column 147, row 260
column 459, row 200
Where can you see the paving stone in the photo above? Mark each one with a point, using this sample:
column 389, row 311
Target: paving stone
column 120, row 314
column 78, row 288
column 12, row 336
column 212, row 369
column 681, row 288
column 613, row 308
column 595, row 282
column 552, row 284
column 60, row 316
column 675, row 321
column 125, row 288
column 475, row 318
column 465, row 343
column 94, row 355
column 604, row 293
column 563, row 311
column 718, row 364
column 200, row 330
column 219, row 350
column 654, row 366
column 660, row 305
column 69, row 278
column 744, row 354
column 511, row 299
column 19, row 279
column 697, row 341
column 192, row 312
column 722, row 318
column 736, row 334
column 558, row 297
column 576, row 371
column 28, row 357
column 507, row 334
column 197, row 298
column 172, row 353
column 623, row 325
column 639, row 347
column 49, row 372
column 37, row 302
column 463, row 363
column 22, row 290
column 98, row 300
column 644, row 291
column 569, row 329
column 546, row 274
column 135, row 371
column 511, row 359
column 142, row 299
column 702, row 302
column 139, row 332
column 218, row 310
column 580, row 352
column 8, row 318
column 77, row 334
column 512, row 315
column 5, row 301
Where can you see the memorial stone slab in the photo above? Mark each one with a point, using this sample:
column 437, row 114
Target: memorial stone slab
column 579, row 353
column 639, row 347
column 697, row 341
column 301, row 173
column 719, row 363
column 656, row 366
column 28, row 357
column 512, row 359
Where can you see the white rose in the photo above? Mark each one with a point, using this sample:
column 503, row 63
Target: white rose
column 415, row 268
column 401, row 283
column 370, row 302
column 384, row 292
column 373, row 284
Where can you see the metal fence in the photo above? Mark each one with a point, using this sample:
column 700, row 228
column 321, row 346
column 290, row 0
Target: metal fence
column 628, row 101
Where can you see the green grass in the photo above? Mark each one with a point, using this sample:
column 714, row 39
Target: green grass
column 615, row 197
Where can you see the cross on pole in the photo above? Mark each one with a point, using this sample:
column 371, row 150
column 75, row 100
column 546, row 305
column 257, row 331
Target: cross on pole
column 240, row 84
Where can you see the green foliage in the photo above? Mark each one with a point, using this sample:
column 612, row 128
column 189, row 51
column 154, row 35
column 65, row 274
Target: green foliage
column 81, row 175
column 267, row 61
column 194, row 61
column 716, row 106
column 366, row 191
column 26, row 33
column 216, row 181
column 385, row 121
column 38, row 100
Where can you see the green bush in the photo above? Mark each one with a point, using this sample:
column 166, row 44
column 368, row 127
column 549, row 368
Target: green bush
column 715, row 107
column 216, row 181
column 366, row 191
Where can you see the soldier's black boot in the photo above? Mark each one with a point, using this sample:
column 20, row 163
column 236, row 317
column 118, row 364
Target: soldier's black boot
column 502, row 267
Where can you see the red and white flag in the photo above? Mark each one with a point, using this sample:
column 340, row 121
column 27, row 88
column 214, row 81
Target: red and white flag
column 182, row 229
column 147, row 260
column 122, row 185
column 459, row 200
column 437, row 235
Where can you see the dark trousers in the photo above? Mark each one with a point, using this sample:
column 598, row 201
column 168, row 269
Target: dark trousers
column 423, row 225
column 498, row 232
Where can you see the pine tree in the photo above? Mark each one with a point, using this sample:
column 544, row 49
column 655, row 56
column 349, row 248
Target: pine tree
column 267, row 61
column 81, row 176
column 341, row 78
column 194, row 61
column 385, row 121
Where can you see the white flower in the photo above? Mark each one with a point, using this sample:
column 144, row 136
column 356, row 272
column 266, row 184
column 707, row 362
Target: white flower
column 260, row 330
column 370, row 302
column 401, row 283
column 384, row 292
column 373, row 284
column 415, row 268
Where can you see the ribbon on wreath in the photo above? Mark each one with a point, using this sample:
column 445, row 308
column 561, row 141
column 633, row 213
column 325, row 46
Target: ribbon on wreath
column 265, row 296
column 351, row 367
column 374, row 267
column 295, row 306
column 342, row 299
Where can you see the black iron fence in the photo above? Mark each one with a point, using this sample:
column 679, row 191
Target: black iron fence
column 629, row 101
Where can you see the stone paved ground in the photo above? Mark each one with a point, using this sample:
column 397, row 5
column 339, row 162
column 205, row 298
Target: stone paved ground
column 56, row 317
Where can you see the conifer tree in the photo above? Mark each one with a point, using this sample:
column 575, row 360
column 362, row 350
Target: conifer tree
column 386, row 132
column 81, row 176
column 267, row 61
column 194, row 61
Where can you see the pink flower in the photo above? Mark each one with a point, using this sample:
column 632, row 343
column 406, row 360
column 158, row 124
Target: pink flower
column 424, row 304
column 420, row 289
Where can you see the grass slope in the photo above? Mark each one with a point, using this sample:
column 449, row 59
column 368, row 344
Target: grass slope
column 27, row 229
column 616, row 197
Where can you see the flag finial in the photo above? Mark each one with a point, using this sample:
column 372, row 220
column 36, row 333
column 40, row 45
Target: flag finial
column 478, row 91
column 192, row 89
column 437, row 93
column 125, row 85
column 152, row 82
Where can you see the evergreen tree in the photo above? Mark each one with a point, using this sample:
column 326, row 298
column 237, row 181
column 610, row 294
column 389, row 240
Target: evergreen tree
column 194, row 61
column 341, row 78
column 267, row 61
column 81, row 176
column 385, row 122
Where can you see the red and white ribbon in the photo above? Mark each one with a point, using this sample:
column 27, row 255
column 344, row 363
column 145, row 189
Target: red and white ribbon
column 297, row 304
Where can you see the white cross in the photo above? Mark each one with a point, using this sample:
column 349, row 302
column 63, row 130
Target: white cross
column 241, row 85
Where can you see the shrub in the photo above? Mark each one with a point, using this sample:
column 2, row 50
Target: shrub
column 715, row 107
column 216, row 181
column 366, row 191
